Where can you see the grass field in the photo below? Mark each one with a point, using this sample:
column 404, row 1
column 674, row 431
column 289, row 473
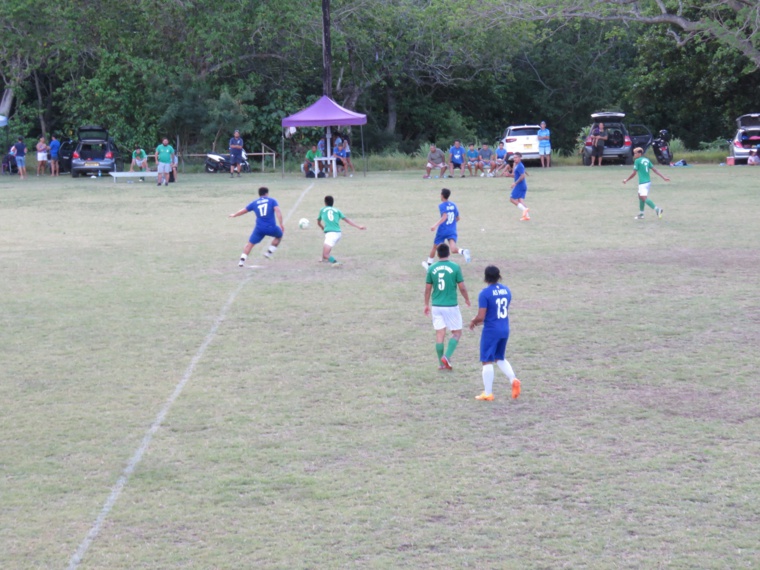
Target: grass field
column 313, row 429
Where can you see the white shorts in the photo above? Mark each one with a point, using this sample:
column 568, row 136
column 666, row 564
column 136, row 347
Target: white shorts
column 164, row 168
column 447, row 318
column 332, row 238
column 644, row 189
column 440, row 165
column 141, row 163
column 41, row 156
column 544, row 151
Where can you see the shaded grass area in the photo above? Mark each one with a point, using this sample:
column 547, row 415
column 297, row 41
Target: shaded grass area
column 316, row 431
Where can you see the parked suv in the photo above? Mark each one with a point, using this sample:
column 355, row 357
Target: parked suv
column 747, row 137
column 621, row 140
column 94, row 153
column 522, row 139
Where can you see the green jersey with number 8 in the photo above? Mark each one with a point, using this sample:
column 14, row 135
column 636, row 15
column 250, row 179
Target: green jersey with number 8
column 444, row 277
column 331, row 218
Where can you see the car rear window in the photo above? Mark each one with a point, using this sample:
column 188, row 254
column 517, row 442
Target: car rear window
column 524, row 132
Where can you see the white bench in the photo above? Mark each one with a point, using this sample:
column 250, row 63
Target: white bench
column 148, row 174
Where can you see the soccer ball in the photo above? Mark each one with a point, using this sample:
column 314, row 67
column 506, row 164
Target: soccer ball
column 303, row 223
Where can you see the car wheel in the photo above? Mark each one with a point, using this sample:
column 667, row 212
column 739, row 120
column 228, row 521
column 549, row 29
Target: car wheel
column 74, row 174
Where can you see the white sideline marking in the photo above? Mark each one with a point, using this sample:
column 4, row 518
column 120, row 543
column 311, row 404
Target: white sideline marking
column 76, row 559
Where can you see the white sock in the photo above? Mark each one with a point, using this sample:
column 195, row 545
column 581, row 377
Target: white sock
column 430, row 261
column 488, row 378
column 521, row 207
column 243, row 256
column 506, row 368
column 272, row 249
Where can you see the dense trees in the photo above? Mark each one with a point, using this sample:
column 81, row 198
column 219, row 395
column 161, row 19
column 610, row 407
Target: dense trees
column 422, row 69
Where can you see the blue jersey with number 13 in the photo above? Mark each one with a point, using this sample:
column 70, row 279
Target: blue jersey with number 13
column 264, row 210
column 495, row 299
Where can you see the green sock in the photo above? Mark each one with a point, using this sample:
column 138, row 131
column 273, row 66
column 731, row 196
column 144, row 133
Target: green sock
column 331, row 259
column 452, row 347
column 641, row 206
column 439, row 350
column 651, row 204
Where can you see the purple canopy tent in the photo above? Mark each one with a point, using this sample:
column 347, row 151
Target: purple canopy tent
column 324, row 113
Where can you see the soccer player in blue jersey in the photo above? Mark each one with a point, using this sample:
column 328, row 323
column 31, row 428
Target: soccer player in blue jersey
column 456, row 158
column 493, row 312
column 519, row 187
column 446, row 229
column 267, row 210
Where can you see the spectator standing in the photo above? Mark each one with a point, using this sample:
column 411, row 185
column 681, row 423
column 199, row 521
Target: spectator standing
column 164, row 157
column 435, row 159
column 236, row 153
column 18, row 150
column 42, row 156
column 544, row 145
column 340, row 157
column 55, row 147
column 349, row 164
column 598, row 138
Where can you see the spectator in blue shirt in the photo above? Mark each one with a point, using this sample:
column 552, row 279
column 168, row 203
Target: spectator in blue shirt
column 55, row 147
column 544, row 145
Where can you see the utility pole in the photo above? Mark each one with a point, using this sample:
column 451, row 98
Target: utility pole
column 326, row 50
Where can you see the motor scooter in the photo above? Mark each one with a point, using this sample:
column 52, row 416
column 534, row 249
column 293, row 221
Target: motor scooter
column 221, row 163
column 661, row 148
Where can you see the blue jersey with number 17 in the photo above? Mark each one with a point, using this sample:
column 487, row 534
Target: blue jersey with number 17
column 495, row 299
column 264, row 210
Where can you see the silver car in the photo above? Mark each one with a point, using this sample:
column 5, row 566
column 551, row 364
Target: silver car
column 621, row 140
column 747, row 137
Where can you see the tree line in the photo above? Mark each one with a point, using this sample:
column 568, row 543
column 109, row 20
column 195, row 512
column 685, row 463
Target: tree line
column 422, row 70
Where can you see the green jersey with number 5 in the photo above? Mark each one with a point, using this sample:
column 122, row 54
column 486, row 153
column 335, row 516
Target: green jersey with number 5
column 331, row 218
column 444, row 276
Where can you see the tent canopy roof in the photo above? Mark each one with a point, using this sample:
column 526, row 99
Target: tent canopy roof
column 324, row 113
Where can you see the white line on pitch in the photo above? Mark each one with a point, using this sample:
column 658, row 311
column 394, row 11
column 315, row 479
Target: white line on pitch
column 76, row 559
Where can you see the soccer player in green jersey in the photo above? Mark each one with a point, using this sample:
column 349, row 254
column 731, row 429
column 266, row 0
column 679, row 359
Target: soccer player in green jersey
column 642, row 165
column 441, row 283
column 329, row 220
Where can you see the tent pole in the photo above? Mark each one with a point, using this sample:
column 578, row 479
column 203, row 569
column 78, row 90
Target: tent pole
column 364, row 155
column 283, row 152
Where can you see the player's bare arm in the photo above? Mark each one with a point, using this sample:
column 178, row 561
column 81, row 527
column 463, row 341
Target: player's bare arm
column 238, row 213
column 657, row 172
column 479, row 318
column 631, row 176
column 439, row 222
column 465, row 294
column 428, row 291
column 357, row 226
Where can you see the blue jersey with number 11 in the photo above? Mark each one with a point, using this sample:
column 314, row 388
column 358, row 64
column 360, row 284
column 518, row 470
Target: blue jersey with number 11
column 495, row 299
column 264, row 210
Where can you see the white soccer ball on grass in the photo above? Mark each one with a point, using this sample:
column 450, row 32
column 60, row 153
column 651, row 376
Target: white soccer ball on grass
column 303, row 223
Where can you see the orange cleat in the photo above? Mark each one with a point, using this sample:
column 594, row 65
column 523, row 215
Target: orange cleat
column 515, row 389
column 485, row 397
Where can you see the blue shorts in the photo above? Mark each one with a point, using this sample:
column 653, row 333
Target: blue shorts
column 459, row 165
column 519, row 192
column 53, row 157
column 260, row 233
column 21, row 161
column 236, row 159
column 493, row 346
column 439, row 239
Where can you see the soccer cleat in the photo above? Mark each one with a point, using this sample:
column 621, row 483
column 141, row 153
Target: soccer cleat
column 267, row 255
column 659, row 211
column 442, row 368
column 467, row 256
column 446, row 362
column 425, row 265
column 515, row 389
column 241, row 262
column 525, row 216
column 485, row 397
column 640, row 216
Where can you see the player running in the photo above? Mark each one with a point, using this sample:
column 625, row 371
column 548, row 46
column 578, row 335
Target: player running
column 329, row 220
column 643, row 165
column 441, row 282
column 266, row 210
column 446, row 229
column 519, row 187
column 493, row 312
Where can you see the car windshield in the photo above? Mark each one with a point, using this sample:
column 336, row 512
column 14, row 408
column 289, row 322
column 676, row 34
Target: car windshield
column 523, row 132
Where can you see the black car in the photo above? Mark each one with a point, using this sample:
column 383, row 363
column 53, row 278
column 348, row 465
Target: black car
column 621, row 140
column 95, row 152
